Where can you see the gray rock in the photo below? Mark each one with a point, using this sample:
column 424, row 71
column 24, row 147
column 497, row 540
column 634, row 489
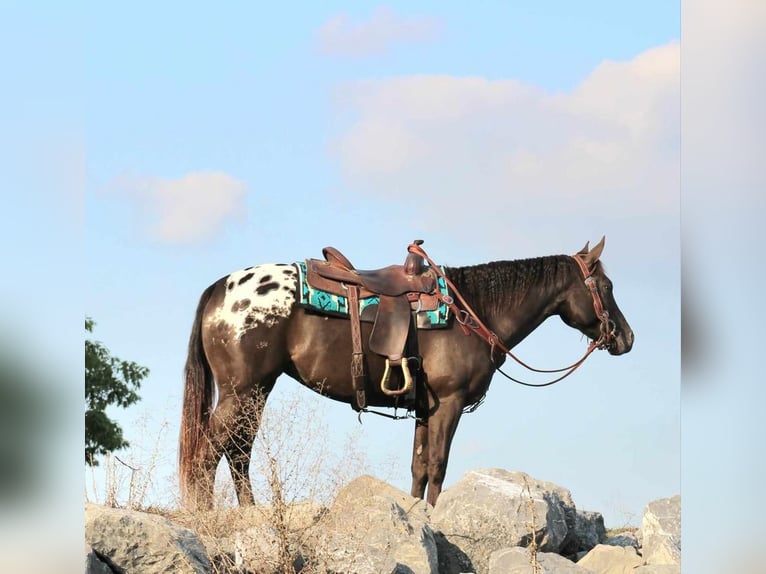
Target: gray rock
column 624, row 539
column 94, row 564
column 373, row 527
column 604, row 559
column 257, row 550
column 490, row 509
column 659, row 569
column 517, row 561
column 661, row 529
column 452, row 560
column 221, row 552
column 589, row 531
column 131, row 541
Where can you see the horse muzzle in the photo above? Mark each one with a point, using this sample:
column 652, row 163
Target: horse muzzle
column 620, row 343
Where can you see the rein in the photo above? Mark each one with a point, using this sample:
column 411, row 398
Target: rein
column 470, row 322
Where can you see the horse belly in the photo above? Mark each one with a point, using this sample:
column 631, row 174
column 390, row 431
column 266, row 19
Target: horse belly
column 319, row 347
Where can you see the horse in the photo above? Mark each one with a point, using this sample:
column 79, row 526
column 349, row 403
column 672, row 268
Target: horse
column 248, row 330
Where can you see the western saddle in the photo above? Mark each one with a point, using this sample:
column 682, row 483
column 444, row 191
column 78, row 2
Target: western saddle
column 402, row 290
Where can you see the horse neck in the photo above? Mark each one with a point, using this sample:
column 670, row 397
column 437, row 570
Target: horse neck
column 514, row 297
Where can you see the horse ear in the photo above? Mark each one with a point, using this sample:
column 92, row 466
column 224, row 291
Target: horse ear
column 595, row 253
column 584, row 250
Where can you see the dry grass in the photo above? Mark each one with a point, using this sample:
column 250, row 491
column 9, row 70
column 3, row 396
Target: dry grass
column 531, row 527
column 130, row 477
column 296, row 472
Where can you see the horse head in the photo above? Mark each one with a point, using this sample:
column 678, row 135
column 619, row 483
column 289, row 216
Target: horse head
column 589, row 305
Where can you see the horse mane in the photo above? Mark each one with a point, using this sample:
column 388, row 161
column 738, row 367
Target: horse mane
column 498, row 285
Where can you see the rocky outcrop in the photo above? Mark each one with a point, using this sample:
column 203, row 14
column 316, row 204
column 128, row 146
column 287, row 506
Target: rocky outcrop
column 518, row 561
column 589, row 531
column 94, row 564
column 373, row 527
column 624, row 539
column 130, row 541
column 604, row 559
column 491, row 509
column 661, row 528
column 491, row 521
column 658, row 569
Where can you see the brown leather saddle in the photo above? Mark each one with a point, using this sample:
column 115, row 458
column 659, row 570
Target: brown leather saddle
column 402, row 290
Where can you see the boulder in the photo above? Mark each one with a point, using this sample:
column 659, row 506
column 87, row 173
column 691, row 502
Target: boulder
column 246, row 537
column 373, row 527
column 589, row 531
column 605, row 559
column 661, row 530
column 131, row 541
column 257, row 550
column 452, row 560
column 366, row 486
column 491, row 509
column 658, row 569
column 517, row 561
column 94, row 564
column 626, row 538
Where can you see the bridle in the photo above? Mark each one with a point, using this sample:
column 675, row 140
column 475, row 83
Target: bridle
column 608, row 327
column 470, row 322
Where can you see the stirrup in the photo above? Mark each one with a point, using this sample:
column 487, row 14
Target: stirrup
column 408, row 383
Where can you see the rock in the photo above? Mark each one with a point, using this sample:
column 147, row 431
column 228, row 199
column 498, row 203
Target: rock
column 661, row 529
column 490, row 509
column 659, row 569
column 517, row 561
column 131, row 541
column 366, row 486
column 246, row 536
column 589, row 531
column 605, row 559
column 452, row 560
column 624, row 539
column 373, row 527
column 94, row 564
column 221, row 552
column 257, row 550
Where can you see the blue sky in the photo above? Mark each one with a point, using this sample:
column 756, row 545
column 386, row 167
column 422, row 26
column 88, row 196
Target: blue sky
column 219, row 138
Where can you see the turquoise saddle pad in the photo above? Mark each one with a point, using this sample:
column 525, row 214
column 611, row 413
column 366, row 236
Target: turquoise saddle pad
column 331, row 304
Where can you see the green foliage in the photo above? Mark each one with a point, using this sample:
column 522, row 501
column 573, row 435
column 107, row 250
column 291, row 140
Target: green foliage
column 108, row 381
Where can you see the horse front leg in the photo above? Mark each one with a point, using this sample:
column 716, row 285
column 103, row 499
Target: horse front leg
column 420, row 457
column 441, row 429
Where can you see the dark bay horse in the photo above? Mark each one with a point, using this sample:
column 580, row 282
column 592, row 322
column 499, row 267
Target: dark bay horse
column 248, row 330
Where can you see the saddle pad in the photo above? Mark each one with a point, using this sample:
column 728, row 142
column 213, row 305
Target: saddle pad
column 330, row 304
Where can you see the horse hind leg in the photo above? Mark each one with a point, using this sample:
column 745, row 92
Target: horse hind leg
column 239, row 446
column 237, row 419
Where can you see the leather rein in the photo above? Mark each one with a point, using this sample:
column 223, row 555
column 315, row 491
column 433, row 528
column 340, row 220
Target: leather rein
column 470, row 322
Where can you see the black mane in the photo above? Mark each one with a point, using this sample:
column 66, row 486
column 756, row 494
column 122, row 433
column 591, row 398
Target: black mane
column 491, row 287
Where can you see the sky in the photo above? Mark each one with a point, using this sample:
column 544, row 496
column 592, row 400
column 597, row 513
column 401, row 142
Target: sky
column 93, row 225
column 219, row 138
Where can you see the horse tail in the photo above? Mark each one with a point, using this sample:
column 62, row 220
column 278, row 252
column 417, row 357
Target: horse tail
column 197, row 402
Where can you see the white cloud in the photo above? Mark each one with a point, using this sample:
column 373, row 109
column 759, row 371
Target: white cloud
column 384, row 29
column 188, row 209
column 608, row 147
